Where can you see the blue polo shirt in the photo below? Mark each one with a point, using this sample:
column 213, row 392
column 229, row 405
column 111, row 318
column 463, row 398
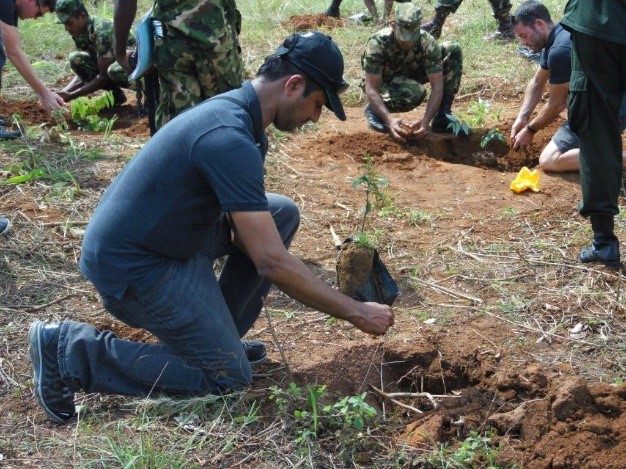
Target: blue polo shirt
column 556, row 56
column 163, row 204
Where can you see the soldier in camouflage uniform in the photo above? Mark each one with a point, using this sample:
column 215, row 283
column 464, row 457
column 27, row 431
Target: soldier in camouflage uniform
column 501, row 12
column 198, row 56
column 398, row 61
column 93, row 62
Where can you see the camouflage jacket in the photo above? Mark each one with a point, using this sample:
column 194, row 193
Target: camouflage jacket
column 98, row 40
column 210, row 22
column 382, row 55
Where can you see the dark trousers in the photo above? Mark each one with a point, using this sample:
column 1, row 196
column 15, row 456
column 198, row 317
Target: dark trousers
column 597, row 84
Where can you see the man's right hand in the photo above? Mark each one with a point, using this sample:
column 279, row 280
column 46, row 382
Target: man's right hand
column 375, row 319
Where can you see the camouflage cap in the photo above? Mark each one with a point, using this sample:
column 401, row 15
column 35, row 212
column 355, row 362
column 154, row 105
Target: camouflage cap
column 65, row 8
column 407, row 18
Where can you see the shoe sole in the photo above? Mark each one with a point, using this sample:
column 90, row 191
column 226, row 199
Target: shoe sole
column 34, row 342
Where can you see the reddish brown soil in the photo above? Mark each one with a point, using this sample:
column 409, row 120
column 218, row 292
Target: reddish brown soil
column 543, row 415
column 311, row 22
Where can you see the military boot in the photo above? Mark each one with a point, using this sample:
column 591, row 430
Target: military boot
column 333, row 9
column 505, row 30
column 433, row 27
column 605, row 245
column 444, row 122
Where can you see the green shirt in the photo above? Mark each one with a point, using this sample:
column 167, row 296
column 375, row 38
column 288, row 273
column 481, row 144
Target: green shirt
column 98, row 40
column 382, row 55
column 603, row 19
column 209, row 22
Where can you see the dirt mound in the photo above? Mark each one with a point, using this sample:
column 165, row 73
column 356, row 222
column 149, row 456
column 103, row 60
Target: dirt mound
column 308, row 22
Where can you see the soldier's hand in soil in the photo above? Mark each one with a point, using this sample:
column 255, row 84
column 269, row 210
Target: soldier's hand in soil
column 418, row 129
column 375, row 319
column 399, row 130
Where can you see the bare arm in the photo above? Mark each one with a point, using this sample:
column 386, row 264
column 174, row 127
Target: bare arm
column 422, row 126
column 372, row 91
column 557, row 101
column 532, row 96
column 49, row 99
column 96, row 84
column 123, row 16
column 255, row 233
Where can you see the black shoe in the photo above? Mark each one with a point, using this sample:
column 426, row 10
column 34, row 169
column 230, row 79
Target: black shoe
column 5, row 225
column 9, row 134
column 444, row 124
column 56, row 399
column 255, row 351
column 332, row 12
column 605, row 253
column 374, row 121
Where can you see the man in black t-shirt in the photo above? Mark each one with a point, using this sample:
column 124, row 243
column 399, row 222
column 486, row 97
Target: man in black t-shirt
column 535, row 30
column 10, row 12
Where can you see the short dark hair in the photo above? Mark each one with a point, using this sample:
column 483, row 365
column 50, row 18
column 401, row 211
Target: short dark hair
column 51, row 4
column 530, row 11
column 277, row 66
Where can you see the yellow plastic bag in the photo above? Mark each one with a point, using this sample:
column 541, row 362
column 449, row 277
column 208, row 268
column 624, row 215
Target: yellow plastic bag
column 526, row 179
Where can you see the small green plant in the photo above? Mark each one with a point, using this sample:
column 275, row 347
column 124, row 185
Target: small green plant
column 84, row 112
column 459, row 127
column 364, row 240
column 374, row 187
column 419, row 217
column 475, row 448
column 489, row 136
column 479, row 112
column 353, row 411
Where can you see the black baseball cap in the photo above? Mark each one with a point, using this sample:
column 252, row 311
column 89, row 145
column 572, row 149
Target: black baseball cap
column 320, row 59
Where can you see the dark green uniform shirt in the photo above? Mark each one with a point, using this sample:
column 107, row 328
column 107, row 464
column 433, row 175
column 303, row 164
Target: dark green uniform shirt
column 603, row 19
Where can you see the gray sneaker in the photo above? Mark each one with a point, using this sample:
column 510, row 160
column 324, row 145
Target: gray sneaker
column 255, row 351
column 56, row 399
column 5, row 226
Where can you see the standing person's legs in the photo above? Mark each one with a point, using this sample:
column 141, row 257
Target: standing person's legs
column 597, row 85
column 502, row 14
column 4, row 134
column 443, row 8
column 190, row 72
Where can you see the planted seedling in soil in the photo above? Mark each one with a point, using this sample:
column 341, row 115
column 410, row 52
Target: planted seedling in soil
column 355, row 263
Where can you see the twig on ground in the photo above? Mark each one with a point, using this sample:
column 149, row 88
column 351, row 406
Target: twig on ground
column 446, row 291
column 33, row 308
column 276, row 341
column 395, row 401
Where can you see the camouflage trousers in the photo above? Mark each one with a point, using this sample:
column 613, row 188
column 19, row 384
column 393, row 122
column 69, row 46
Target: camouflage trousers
column 404, row 94
column 86, row 68
column 190, row 72
column 501, row 8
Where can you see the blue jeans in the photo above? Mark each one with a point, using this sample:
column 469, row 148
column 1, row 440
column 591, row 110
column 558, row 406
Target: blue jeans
column 198, row 319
